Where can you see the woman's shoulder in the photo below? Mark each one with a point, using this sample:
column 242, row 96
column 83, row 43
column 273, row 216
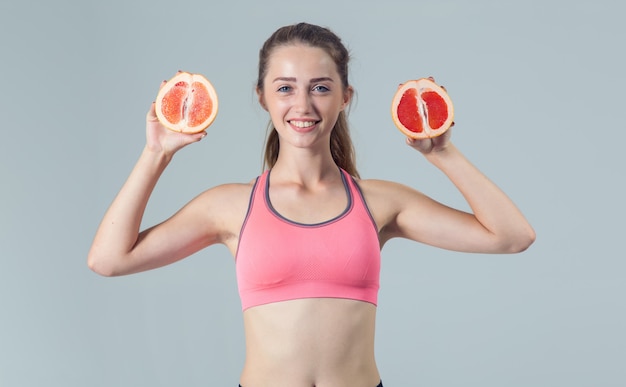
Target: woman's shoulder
column 228, row 193
column 388, row 196
column 387, row 200
column 381, row 187
column 223, row 207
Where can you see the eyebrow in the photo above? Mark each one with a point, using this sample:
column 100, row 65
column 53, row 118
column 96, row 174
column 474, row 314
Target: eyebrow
column 313, row 80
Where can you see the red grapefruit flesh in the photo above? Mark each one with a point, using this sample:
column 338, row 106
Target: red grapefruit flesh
column 422, row 109
column 187, row 103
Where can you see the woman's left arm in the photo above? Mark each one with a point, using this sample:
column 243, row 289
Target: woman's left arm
column 495, row 224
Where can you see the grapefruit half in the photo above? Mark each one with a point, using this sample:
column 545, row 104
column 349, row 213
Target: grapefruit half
column 422, row 109
column 187, row 103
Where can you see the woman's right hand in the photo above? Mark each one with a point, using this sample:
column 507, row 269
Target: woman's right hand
column 163, row 140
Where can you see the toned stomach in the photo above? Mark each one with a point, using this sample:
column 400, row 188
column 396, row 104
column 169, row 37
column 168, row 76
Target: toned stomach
column 314, row 342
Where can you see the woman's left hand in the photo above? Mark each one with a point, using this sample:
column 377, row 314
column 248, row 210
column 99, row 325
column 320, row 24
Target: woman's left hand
column 431, row 145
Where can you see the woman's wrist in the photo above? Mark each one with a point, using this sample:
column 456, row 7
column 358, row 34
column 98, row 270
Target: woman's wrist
column 156, row 156
column 443, row 155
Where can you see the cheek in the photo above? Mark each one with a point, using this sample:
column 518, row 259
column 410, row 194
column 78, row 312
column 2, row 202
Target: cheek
column 276, row 111
column 331, row 106
column 276, row 105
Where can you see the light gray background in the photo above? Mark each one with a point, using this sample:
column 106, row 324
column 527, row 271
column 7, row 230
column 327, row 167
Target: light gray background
column 539, row 95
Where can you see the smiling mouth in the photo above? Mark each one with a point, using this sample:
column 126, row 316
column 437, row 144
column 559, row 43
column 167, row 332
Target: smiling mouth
column 303, row 124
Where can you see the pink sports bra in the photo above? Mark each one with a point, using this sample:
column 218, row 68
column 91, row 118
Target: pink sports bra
column 279, row 259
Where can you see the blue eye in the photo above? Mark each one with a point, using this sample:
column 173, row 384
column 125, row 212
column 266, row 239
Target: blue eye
column 321, row 88
column 284, row 89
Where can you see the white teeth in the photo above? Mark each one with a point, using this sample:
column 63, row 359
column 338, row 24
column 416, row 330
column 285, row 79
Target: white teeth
column 302, row 124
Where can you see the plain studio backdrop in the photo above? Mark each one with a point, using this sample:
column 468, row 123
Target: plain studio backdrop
column 539, row 95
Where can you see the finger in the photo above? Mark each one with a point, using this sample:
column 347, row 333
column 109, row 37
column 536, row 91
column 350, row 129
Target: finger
column 152, row 112
column 413, row 142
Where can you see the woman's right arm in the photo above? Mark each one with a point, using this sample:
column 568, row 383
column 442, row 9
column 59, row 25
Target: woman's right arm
column 118, row 247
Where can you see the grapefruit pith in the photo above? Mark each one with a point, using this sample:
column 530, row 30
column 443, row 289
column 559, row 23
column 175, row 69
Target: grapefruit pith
column 422, row 109
column 187, row 103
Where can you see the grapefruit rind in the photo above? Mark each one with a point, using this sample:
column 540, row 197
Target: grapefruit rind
column 176, row 113
column 420, row 126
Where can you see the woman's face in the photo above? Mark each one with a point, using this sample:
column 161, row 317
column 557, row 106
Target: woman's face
column 303, row 94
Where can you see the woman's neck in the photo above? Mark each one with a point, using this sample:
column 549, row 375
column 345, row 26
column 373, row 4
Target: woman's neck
column 305, row 168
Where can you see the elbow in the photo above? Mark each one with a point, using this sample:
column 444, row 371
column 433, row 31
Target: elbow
column 100, row 265
column 521, row 241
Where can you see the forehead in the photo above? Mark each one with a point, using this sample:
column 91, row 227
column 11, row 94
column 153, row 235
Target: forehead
column 301, row 60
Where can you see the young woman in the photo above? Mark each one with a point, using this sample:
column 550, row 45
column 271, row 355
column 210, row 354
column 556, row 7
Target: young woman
column 306, row 234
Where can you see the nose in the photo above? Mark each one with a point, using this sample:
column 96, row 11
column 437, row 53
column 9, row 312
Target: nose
column 302, row 103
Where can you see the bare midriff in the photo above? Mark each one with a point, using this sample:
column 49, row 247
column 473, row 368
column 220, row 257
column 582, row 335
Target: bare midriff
column 312, row 342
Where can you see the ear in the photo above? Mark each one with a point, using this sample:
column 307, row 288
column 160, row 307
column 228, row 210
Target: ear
column 259, row 95
column 347, row 97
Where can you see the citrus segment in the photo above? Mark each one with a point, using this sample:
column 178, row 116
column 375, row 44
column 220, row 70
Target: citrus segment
column 406, row 112
column 202, row 105
column 422, row 109
column 187, row 103
column 173, row 102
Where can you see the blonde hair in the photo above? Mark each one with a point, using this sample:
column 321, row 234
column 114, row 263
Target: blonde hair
column 341, row 146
